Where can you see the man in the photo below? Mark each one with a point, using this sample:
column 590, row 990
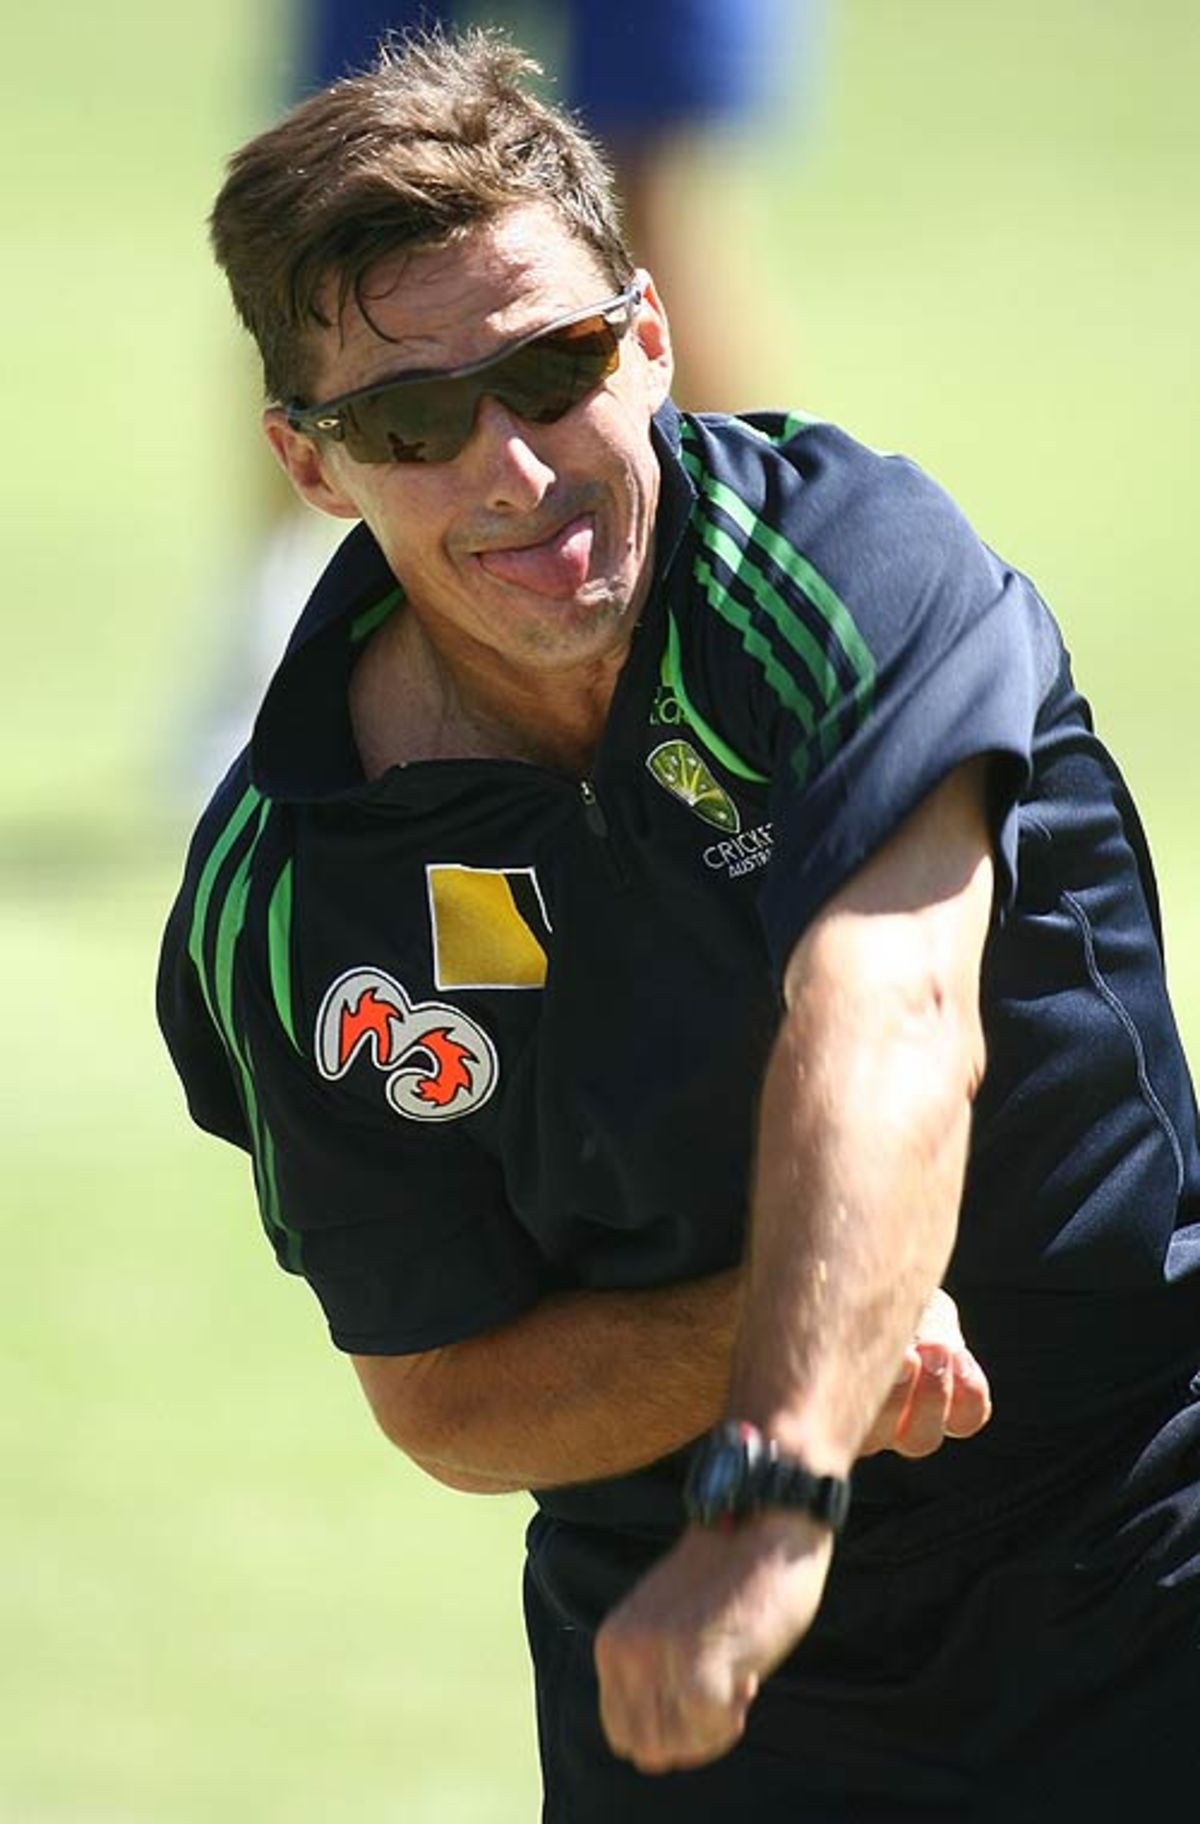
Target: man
column 641, row 794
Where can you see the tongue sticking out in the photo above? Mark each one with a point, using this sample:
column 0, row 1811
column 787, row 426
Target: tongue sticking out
column 557, row 567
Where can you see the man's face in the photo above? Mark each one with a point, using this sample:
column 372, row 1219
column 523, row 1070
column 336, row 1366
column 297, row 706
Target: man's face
column 533, row 546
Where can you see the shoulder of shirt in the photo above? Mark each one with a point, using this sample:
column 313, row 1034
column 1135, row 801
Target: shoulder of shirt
column 807, row 474
column 870, row 530
column 814, row 562
column 235, row 803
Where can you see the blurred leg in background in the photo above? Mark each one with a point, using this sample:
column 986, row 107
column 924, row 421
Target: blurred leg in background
column 676, row 90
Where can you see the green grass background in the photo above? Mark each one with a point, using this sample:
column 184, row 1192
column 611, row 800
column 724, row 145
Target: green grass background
column 221, row 1595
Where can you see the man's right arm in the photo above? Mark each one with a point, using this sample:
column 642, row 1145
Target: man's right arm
column 581, row 1386
column 586, row 1385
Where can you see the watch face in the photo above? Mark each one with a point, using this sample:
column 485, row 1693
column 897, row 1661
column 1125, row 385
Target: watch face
column 718, row 1477
column 718, row 1483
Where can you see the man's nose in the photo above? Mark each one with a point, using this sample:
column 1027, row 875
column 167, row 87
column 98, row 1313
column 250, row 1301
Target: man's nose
column 514, row 474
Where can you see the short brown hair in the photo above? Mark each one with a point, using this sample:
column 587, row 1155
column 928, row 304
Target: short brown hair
column 440, row 134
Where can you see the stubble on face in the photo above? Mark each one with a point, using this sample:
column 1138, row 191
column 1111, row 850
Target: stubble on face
column 534, row 545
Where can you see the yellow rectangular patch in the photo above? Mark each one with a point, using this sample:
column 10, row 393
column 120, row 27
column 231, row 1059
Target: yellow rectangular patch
column 481, row 937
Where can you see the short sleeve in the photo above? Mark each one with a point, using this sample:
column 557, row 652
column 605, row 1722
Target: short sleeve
column 403, row 1231
column 405, row 1236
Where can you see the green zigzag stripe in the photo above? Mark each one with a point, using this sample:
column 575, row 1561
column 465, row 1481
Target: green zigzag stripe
column 756, row 644
column 741, row 564
column 242, row 813
column 217, row 987
column 279, row 949
column 744, row 564
column 672, row 674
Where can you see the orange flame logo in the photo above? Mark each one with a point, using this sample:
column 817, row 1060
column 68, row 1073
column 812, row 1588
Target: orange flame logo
column 370, row 1019
column 450, row 1075
column 434, row 1072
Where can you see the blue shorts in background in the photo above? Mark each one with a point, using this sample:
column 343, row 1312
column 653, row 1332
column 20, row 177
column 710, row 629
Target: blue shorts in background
column 629, row 67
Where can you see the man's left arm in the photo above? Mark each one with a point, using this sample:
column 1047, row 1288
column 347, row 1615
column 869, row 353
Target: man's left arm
column 864, row 1131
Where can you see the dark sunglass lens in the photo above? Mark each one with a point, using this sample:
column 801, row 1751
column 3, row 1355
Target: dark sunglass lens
column 413, row 421
column 544, row 380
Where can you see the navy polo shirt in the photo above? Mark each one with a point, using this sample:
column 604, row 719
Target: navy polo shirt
column 489, row 1031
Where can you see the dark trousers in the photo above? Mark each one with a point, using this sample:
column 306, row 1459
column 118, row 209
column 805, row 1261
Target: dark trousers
column 1031, row 1669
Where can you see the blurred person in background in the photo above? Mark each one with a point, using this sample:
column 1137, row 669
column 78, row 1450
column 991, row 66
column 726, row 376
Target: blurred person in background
column 668, row 88
column 673, row 911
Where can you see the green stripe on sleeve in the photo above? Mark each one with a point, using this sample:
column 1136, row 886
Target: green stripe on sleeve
column 796, row 566
column 219, row 995
column 834, row 703
column 756, row 645
column 279, row 949
column 242, row 814
column 229, row 929
column 739, row 560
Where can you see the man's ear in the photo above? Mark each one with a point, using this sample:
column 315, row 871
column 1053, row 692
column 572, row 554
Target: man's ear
column 309, row 471
column 654, row 339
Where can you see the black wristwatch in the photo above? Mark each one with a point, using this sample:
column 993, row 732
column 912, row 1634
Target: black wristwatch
column 736, row 1472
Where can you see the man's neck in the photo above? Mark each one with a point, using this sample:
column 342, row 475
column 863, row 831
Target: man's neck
column 408, row 702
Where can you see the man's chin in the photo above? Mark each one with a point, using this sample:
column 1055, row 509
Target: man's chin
column 593, row 624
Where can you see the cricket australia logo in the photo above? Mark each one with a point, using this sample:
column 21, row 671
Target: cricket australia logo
column 438, row 1064
column 742, row 854
column 679, row 769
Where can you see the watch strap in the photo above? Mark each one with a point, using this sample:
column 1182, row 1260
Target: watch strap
column 735, row 1472
column 785, row 1481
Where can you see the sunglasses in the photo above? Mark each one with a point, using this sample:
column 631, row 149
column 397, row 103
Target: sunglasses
column 427, row 416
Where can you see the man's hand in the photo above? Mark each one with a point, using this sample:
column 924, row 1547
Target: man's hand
column 680, row 1660
column 941, row 1391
